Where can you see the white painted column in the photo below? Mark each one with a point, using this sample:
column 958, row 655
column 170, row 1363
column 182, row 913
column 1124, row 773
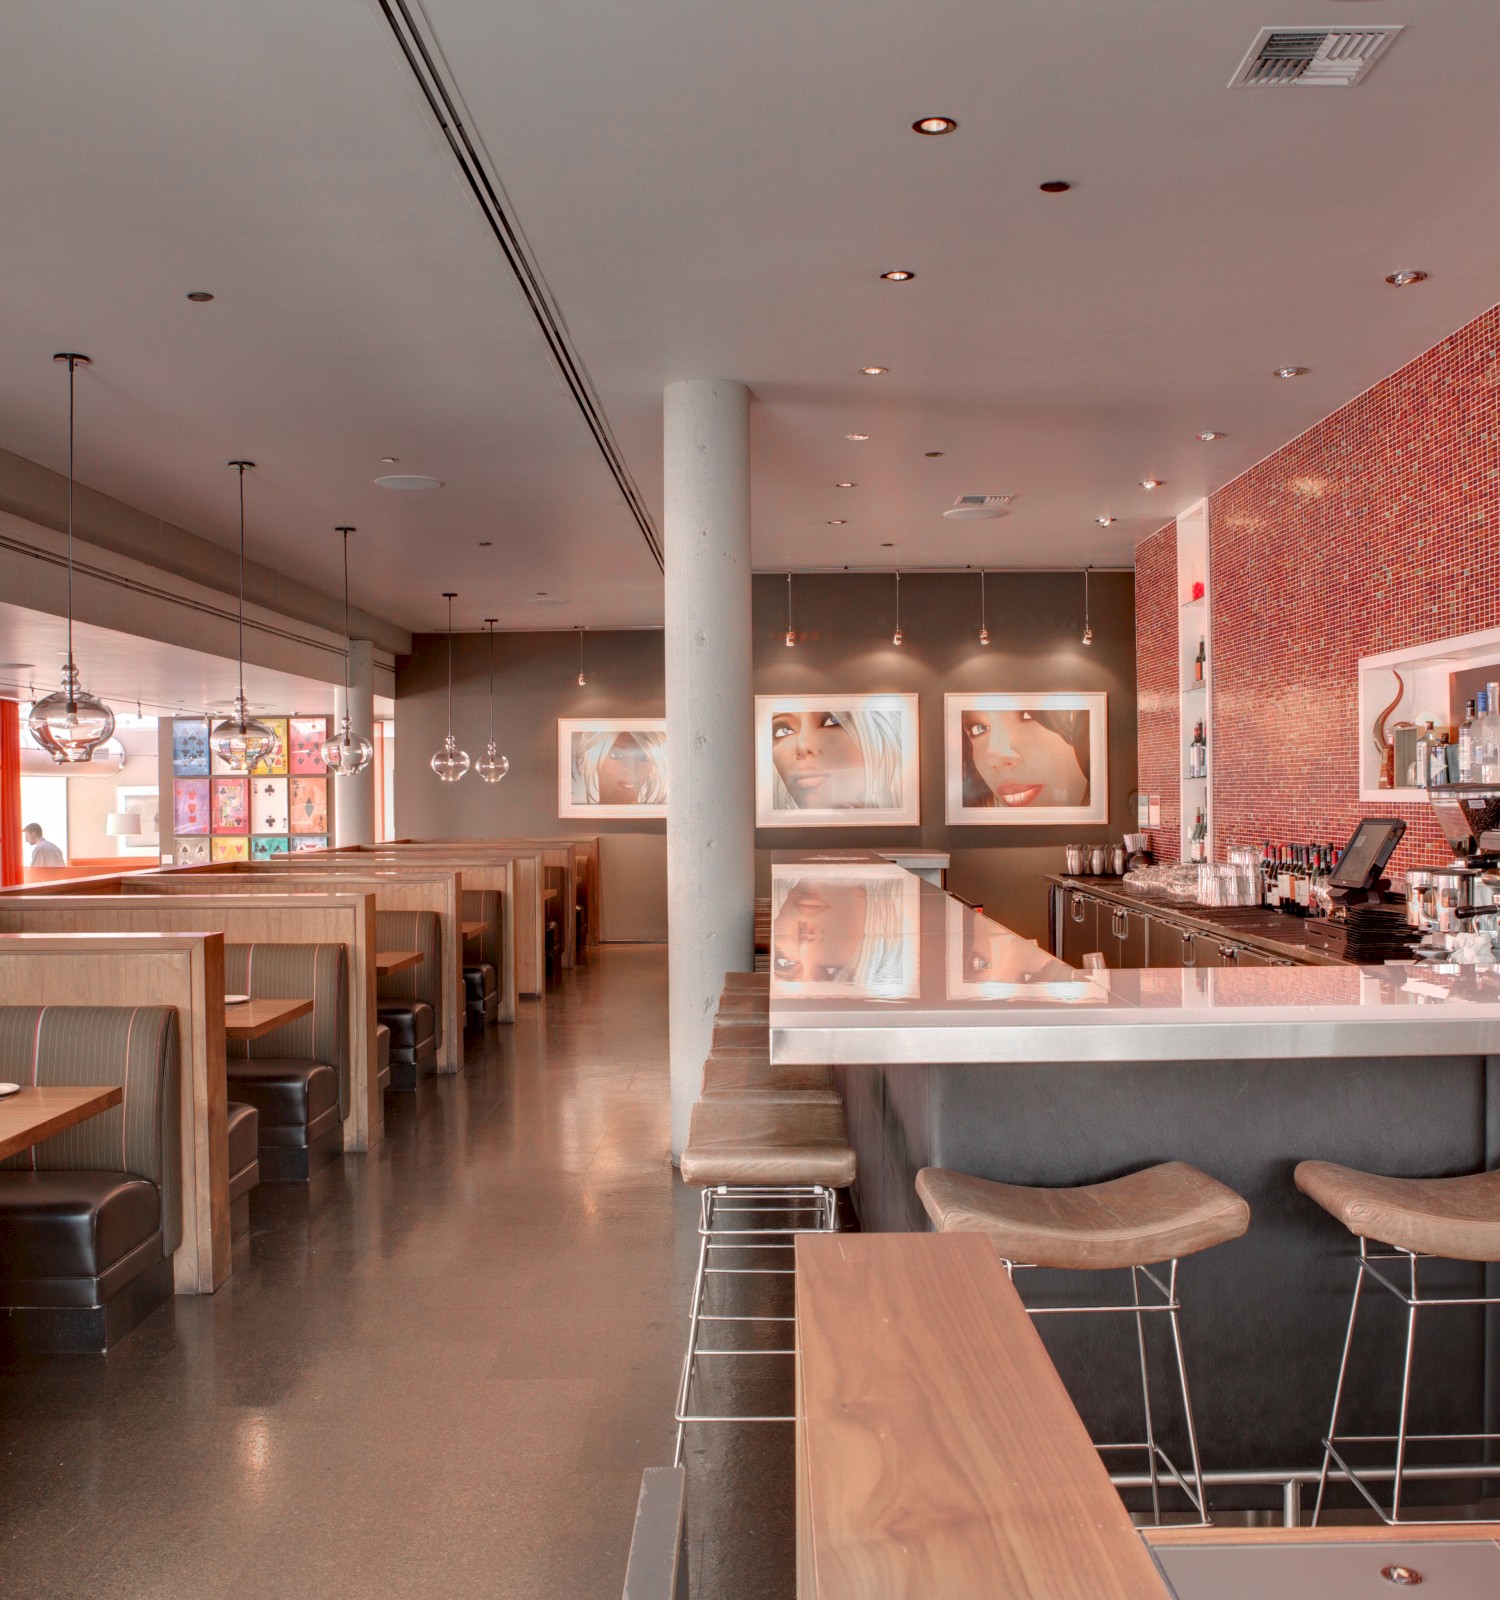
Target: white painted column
column 354, row 798
column 711, row 801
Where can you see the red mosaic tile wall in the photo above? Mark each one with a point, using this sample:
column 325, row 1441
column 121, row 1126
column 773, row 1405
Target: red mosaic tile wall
column 1159, row 756
column 1373, row 530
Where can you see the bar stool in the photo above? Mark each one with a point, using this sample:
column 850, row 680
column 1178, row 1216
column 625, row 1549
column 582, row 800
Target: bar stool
column 770, row 1169
column 736, row 1075
column 1453, row 1219
column 1146, row 1219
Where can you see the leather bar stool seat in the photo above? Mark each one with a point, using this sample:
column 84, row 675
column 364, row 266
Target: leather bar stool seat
column 747, row 983
column 382, row 1056
column 1159, row 1214
column 734, row 1075
column 742, row 1033
column 744, row 1004
column 1456, row 1218
column 768, row 1144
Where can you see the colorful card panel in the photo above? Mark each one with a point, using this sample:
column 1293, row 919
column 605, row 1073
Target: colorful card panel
column 230, row 805
column 309, row 805
column 262, row 849
column 309, row 841
column 192, row 853
column 275, row 765
column 268, row 805
column 227, row 847
column 308, row 736
column 189, row 749
column 189, row 805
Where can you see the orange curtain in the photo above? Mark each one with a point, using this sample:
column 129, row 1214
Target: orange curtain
column 10, row 793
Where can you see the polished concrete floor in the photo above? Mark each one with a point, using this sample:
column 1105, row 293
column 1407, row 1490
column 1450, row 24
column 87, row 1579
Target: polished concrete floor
column 438, row 1371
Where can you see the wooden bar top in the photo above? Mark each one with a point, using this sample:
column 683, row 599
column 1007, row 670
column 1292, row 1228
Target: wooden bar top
column 938, row 1454
column 35, row 1114
column 389, row 961
column 252, row 1019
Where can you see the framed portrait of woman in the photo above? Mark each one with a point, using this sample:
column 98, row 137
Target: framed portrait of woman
column 612, row 767
column 836, row 761
column 1026, row 760
column 845, row 930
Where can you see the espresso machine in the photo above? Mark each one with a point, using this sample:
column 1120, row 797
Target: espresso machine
column 1452, row 903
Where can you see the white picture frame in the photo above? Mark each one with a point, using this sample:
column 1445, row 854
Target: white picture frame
column 1036, row 749
column 145, row 801
column 866, row 775
column 586, row 746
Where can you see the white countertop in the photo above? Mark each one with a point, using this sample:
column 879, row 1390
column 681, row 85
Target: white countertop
column 871, row 964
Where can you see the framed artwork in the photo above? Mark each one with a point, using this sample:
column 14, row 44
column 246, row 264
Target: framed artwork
column 309, row 841
column 146, row 804
column 191, row 853
column 1026, row 760
column 262, row 849
column 229, row 847
column 274, row 765
column 845, row 929
column 189, row 748
column 189, row 806
column 305, row 745
column 611, row 766
column 308, row 806
column 229, row 806
column 268, row 805
column 836, row 761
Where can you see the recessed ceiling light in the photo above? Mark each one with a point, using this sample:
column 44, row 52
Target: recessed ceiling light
column 837, row 522
column 934, row 125
column 1291, row 372
column 389, row 461
column 843, row 484
column 858, row 438
column 1104, row 522
column 887, row 546
column 898, row 275
column 408, row 480
column 1151, row 483
column 199, row 296
column 1208, row 438
column 485, row 544
column 932, row 454
column 1054, row 186
column 1407, row 275
column 874, row 372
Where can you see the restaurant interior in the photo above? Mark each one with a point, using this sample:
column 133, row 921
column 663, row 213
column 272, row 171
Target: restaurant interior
column 793, row 900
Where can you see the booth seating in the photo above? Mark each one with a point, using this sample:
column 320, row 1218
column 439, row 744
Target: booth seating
column 482, row 975
column 407, row 1002
column 243, row 1123
column 89, row 1218
column 297, row 1077
column 382, row 1057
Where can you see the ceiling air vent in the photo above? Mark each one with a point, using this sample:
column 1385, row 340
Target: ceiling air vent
column 1313, row 57
column 976, row 507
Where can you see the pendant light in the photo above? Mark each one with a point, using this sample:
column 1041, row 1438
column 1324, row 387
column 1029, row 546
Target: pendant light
column 241, row 742
column 491, row 766
column 351, row 752
column 450, row 763
column 70, row 724
column 896, row 636
column 582, row 681
column 791, row 637
column 984, row 632
column 1088, row 632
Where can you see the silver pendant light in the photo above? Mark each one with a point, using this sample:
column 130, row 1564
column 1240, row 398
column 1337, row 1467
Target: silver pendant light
column 450, row 763
column 897, row 636
column 1088, row 631
column 791, row 633
column 491, row 766
column 70, row 724
column 351, row 752
column 984, row 627
column 242, row 742
column 582, row 681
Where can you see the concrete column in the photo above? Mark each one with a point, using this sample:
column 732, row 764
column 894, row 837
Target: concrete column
column 711, row 801
column 354, row 798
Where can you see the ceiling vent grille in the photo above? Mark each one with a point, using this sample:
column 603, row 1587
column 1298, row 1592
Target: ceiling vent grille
column 972, row 507
column 1335, row 58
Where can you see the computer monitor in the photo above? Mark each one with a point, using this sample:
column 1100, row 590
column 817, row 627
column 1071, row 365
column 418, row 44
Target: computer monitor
column 1366, row 854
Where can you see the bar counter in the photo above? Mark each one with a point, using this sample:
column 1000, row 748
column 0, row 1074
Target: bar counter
column 957, row 1043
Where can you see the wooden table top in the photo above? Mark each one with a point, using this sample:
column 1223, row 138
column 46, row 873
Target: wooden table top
column 389, row 961
column 471, row 929
column 938, row 1454
column 252, row 1019
column 36, row 1114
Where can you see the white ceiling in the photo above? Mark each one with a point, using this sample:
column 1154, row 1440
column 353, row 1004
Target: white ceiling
column 711, row 190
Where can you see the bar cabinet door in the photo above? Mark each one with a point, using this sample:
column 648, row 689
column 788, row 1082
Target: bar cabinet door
column 1207, row 950
column 1245, row 957
column 1132, row 939
column 1167, row 945
column 1080, row 926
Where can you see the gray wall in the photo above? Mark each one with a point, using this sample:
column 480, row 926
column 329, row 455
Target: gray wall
column 844, row 624
column 536, row 682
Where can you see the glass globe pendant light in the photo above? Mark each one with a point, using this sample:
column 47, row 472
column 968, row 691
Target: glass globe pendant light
column 70, row 724
column 241, row 742
column 351, row 752
column 450, row 763
column 491, row 766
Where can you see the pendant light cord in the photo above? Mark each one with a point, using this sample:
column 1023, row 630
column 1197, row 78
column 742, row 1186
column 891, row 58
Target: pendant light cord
column 983, row 620
column 72, row 369
column 240, row 468
column 1085, row 599
column 347, row 674
column 789, row 602
column 490, row 624
column 450, row 598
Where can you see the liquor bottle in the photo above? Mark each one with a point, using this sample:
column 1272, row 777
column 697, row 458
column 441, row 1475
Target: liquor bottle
column 1487, row 738
column 1466, row 744
column 1267, row 877
column 1199, row 661
column 1198, row 841
column 1437, row 771
column 1422, row 766
column 1285, row 892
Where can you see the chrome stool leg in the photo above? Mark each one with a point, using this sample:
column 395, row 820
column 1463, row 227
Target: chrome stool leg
column 1140, row 1339
column 1338, row 1392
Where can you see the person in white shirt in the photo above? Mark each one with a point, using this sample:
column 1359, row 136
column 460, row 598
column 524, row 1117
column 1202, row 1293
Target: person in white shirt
column 43, row 852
